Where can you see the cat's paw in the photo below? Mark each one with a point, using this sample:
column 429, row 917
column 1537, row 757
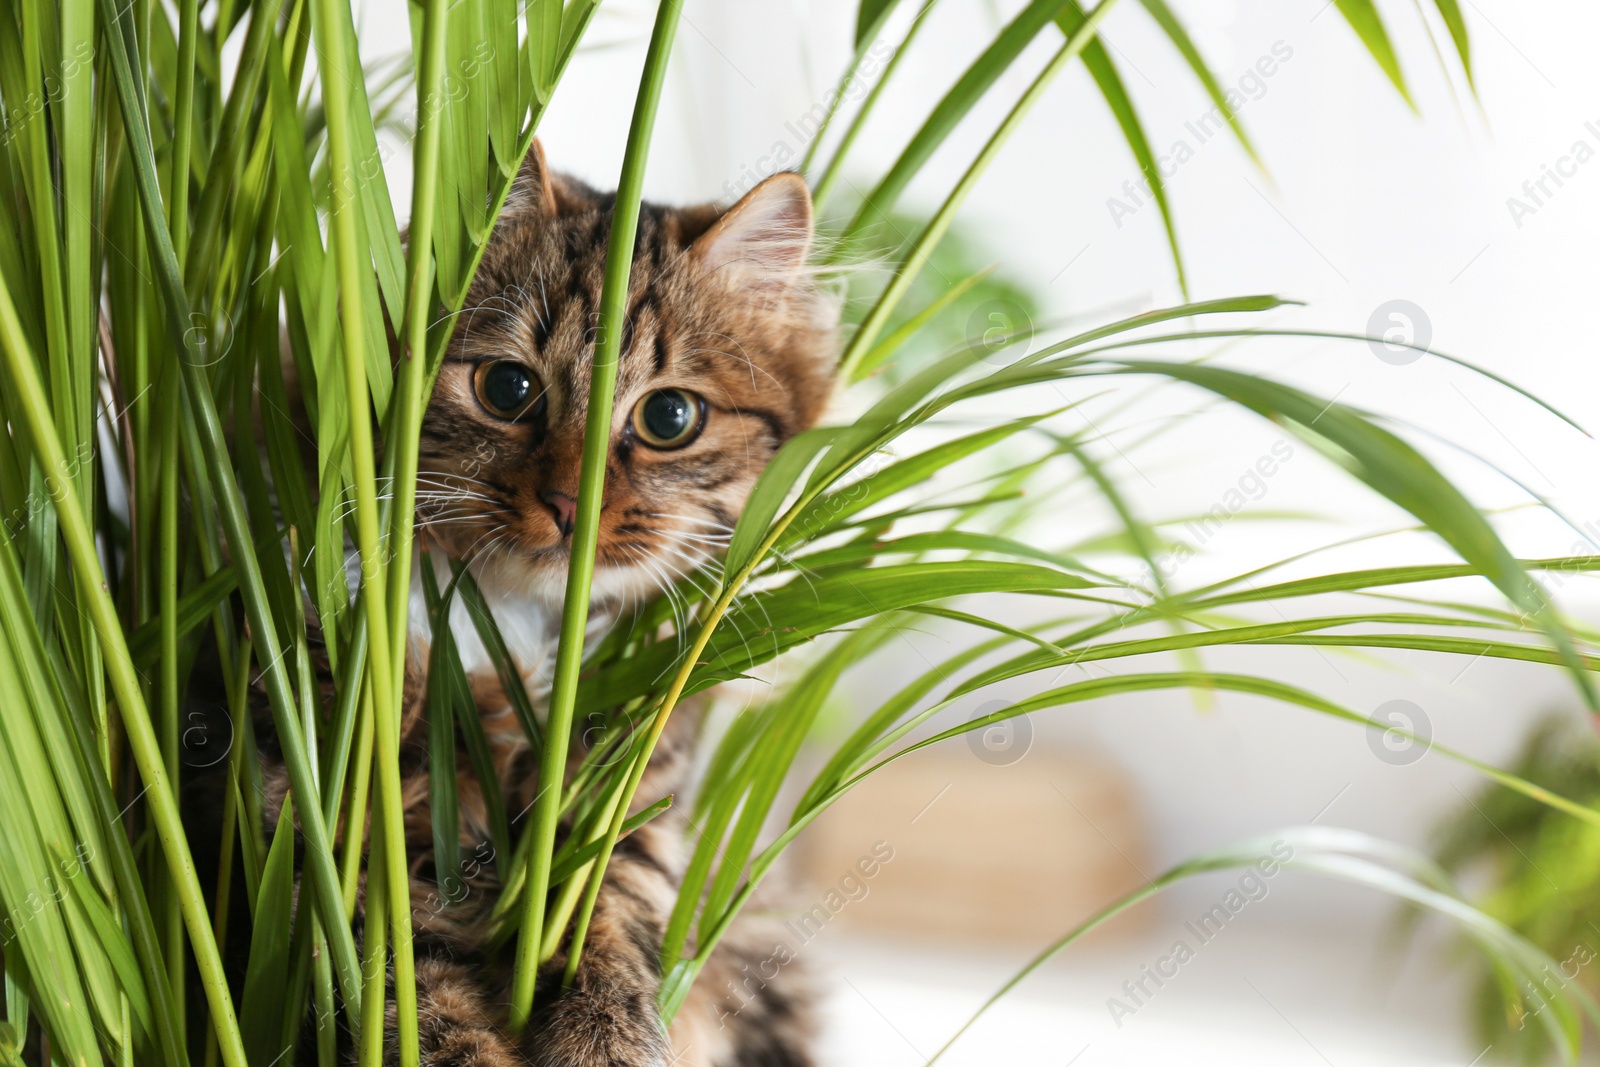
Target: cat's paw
column 586, row 1029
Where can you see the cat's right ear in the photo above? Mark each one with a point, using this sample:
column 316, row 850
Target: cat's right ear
column 534, row 190
column 763, row 240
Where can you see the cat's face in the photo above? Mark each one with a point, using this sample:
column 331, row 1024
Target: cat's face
column 726, row 353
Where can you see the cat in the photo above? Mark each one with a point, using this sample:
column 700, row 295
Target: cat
column 728, row 350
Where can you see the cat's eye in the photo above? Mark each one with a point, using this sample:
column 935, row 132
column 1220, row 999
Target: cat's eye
column 507, row 389
column 668, row 418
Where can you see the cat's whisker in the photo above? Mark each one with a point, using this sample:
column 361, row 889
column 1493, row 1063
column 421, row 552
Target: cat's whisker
column 698, row 558
column 690, row 579
column 665, row 580
column 430, row 473
column 659, row 580
column 504, row 544
column 424, row 486
column 670, row 585
column 435, row 499
column 731, row 355
column 719, row 528
column 429, row 509
column 473, row 547
column 692, row 518
column 344, row 510
column 742, row 359
column 711, row 572
column 699, row 564
column 693, row 556
column 482, row 306
column 707, row 559
column 433, row 504
column 450, row 509
column 467, row 519
column 479, row 558
column 716, row 540
column 438, row 485
column 347, row 505
column 476, row 553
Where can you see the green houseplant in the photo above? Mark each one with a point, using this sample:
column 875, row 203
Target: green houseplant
column 170, row 212
column 1538, row 872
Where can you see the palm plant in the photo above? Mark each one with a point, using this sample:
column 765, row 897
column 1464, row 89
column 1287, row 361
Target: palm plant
column 171, row 210
column 1540, row 872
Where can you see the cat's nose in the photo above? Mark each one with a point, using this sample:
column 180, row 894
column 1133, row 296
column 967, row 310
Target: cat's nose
column 563, row 509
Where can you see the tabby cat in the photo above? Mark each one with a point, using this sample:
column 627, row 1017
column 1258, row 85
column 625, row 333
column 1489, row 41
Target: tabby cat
column 727, row 352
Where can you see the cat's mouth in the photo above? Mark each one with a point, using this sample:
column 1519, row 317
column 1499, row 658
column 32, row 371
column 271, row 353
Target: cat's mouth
column 518, row 538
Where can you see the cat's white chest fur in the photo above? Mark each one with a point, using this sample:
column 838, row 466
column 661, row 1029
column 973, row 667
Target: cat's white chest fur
column 528, row 622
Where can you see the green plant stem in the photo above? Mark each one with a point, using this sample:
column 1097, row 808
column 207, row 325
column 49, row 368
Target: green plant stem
column 360, row 785
column 237, row 711
column 332, row 32
column 579, row 881
column 711, row 618
column 232, row 132
column 325, row 1013
column 575, row 21
column 225, row 487
column 593, row 873
column 28, row 395
column 570, row 36
column 370, row 1041
column 172, row 918
column 567, row 903
column 183, row 124
column 973, row 84
column 833, row 171
column 934, row 232
column 586, row 530
column 72, row 132
column 864, row 39
column 403, row 437
column 346, row 715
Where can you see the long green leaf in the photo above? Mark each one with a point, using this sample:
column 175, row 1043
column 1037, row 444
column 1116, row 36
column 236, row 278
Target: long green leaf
column 200, row 401
column 1396, row 470
column 951, row 109
column 585, row 534
column 1363, row 17
column 1352, row 857
column 1105, row 75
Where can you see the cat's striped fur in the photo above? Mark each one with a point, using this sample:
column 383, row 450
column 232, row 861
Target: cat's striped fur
column 719, row 306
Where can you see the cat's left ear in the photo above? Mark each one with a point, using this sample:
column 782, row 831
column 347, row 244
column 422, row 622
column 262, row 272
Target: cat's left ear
column 762, row 241
column 534, row 189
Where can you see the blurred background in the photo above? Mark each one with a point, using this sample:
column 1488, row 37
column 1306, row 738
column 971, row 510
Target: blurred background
column 1380, row 218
